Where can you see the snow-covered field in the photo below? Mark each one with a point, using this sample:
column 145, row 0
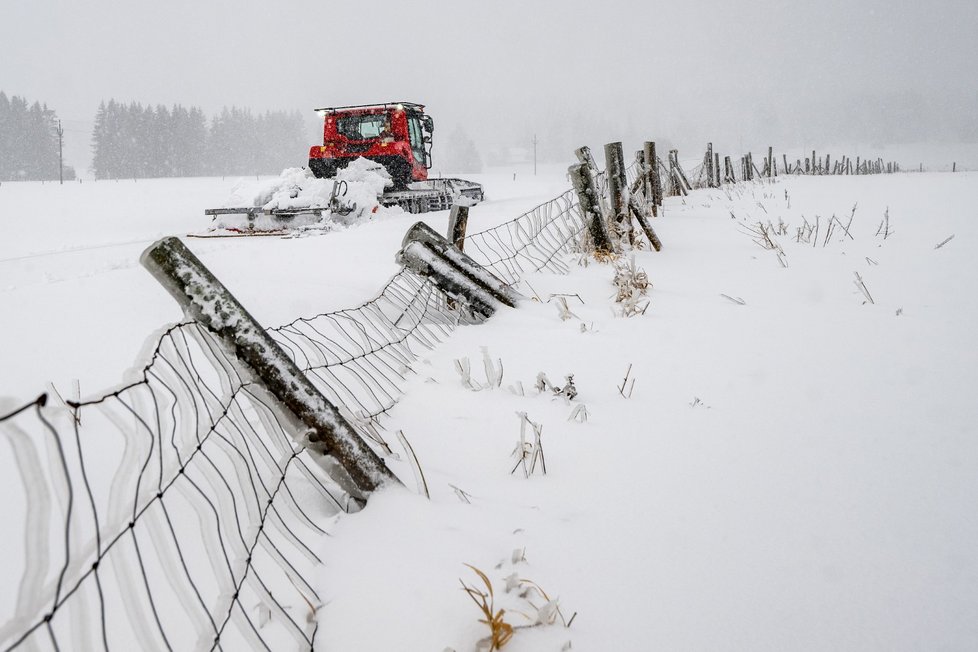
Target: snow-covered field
column 794, row 466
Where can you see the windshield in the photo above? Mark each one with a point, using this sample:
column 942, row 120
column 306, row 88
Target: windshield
column 362, row 127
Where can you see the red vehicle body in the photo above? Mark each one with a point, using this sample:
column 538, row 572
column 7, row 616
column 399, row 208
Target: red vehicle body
column 396, row 135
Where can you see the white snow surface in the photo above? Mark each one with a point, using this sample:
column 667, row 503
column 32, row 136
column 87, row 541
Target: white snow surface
column 796, row 472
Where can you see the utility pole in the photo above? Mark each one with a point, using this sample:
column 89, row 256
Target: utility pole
column 534, row 155
column 61, row 160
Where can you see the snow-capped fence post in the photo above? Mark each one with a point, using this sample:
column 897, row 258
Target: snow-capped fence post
column 587, row 197
column 770, row 162
column 205, row 299
column 716, row 169
column 617, row 186
column 453, row 267
column 728, row 170
column 458, row 219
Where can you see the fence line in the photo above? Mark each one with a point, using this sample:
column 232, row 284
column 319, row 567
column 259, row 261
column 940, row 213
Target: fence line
column 178, row 512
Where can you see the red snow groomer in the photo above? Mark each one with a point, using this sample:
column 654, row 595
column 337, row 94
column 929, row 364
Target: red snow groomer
column 398, row 136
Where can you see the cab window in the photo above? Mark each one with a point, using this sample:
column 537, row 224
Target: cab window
column 417, row 139
column 362, row 127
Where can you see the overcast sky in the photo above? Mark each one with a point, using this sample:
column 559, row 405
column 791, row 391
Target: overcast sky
column 505, row 69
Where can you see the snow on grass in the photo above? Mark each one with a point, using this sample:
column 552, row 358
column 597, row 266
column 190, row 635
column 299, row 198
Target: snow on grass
column 796, row 472
column 793, row 468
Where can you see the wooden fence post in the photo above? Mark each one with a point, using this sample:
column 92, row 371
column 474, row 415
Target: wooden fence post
column 584, row 155
column 458, row 219
column 677, row 171
column 709, row 165
column 206, row 300
column 462, row 263
column 425, row 260
column 621, row 220
column 587, row 197
column 655, row 179
column 770, row 162
column 643, row 221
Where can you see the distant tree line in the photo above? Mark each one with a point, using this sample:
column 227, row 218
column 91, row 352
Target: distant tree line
column 28, row 141
column 132, row 141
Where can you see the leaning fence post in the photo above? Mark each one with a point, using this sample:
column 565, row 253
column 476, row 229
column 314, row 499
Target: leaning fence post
column 463, row 265
column 615, row 163
column 458, row 218
column 587, row 197
column 206, row 300
column 680, row 183
column 643, row 221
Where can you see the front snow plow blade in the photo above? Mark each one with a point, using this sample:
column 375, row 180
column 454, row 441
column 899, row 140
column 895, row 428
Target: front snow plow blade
column 433, row 195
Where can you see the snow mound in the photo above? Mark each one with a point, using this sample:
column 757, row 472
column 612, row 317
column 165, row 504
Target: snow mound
column 358, row 187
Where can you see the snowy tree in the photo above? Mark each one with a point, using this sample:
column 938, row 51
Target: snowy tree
column 28, row 140
column 133, row 141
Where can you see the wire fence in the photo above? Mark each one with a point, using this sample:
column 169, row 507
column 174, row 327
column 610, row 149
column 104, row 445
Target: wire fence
column 534, row 241
column 178, row 511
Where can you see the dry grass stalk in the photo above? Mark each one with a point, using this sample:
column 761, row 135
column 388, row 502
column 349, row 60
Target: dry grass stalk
column 416, row 466
column 493, row 371
column 862, row 288
column 563, row 310
column 548, row 612
column 579, row 414
column 631, row 283
column 884, row 227
column 624, row 383
column 462, row 495
column 500, row 632
column 529, row 453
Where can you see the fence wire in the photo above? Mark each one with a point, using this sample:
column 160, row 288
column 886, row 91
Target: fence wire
column 177, row 512
column 535, row 241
